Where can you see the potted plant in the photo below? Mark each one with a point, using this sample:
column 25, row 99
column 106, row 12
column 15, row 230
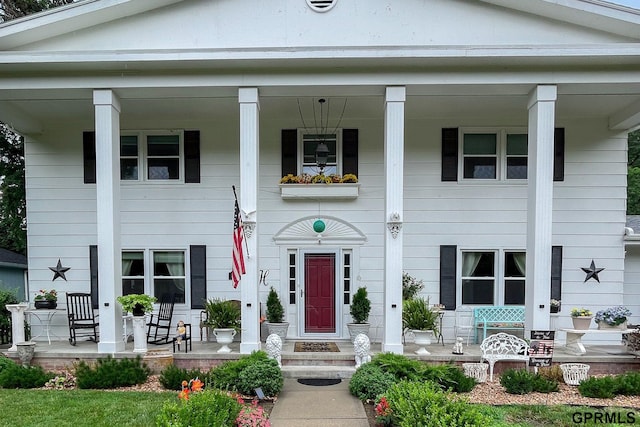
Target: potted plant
column 613, row 318
column 223, row 317
column 275, row 316
column 418, row 317
column 360, row 308
column 46, row 299
column 554, row 306
column 137, row 304
column 581, row 318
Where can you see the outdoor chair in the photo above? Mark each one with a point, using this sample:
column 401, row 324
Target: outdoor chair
column 186, row 341
column 464, row 324
column 160, row 324
column 82, row 320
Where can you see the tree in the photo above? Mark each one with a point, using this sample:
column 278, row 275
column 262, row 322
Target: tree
column 12, row 9
column 12, row 201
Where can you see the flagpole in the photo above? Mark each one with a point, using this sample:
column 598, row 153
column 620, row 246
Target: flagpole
column 244, row 236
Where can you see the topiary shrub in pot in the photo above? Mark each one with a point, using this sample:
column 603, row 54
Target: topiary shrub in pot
column 275, row 316
column 360, row 309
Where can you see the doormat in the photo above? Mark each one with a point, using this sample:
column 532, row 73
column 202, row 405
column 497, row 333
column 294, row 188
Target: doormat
column 319, row 381
column 315, row 347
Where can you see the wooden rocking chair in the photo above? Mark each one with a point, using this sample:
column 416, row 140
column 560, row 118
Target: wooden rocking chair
column 82, row 321
column 160, row 324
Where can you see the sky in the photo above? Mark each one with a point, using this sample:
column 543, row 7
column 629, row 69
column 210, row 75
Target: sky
column 631, row 3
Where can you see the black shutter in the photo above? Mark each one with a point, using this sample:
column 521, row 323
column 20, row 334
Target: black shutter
column 198, row 257
column 556, row 272
column 450, row 154
column 93, row 274
column 89, row 156
column 448, row 254
column 289, row 152
column 350, row 151
column 192, row 156
column 558, row 154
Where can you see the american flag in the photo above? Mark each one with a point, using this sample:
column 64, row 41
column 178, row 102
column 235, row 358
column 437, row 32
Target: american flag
column 238, row 256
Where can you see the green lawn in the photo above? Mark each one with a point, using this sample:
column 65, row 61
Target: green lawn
column 560, row 416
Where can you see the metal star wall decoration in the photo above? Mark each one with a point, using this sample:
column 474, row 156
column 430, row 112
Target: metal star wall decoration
column 59, row 270
column 592, row 272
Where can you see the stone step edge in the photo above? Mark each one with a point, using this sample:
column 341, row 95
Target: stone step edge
column 300, row 371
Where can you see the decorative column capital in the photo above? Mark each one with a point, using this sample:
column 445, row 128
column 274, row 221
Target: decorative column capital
column 394, row 224
column 249, row 227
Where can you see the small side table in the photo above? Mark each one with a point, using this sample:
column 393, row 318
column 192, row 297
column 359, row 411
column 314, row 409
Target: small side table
column 45, row 317
column 440, row 317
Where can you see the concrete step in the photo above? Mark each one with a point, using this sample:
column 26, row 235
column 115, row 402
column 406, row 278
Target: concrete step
column 302, row 371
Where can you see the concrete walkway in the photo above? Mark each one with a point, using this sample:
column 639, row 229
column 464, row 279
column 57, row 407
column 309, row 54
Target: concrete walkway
column 317, row 406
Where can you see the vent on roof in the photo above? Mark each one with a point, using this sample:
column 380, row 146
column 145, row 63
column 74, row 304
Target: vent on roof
column 321, row 5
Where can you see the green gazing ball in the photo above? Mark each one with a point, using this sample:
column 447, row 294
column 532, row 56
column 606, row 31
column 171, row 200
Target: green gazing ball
column 319, row 226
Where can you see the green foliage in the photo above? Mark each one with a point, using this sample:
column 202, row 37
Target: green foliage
column 401, row 367
column 265, row 374
column 5, row 362
column 110, row 373
column 370, row 381
column 449, row 377
column 410, row 286
column 129, row 302
column 226, row 375
column 12, row 203
column 602, row 387
column 18, row 376
column 171, row 378
column 275, row 311
column 360, row 306
column 520, row 381
column 417, row 315
column 6, row 297
column 424, row 404
column 628, row 383
column 205, row 408
column 222, row 314
column 553, row 373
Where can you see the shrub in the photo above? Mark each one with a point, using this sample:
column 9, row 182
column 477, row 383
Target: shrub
column 265, row 374
column 205, row 408
column 424, row 404
column 628, row 384
column 18, row 376
column 399, row 366
column 520, row 381
column 171, row 378
column 5, row 362
column 370, row 381
column 449, row 377
column 111, row 373
column 225, row 376
column 602, row 387
column 6, row 297
column 553, row 373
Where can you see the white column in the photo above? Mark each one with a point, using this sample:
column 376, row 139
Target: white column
column 393, row 212
column 107, row 111
column 539, row 207
column 17, row 323
column 248, row 199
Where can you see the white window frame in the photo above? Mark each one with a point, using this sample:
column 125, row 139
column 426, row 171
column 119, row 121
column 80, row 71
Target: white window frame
column 498, row 278
column 301, row 135
column 501, row 153
column 143, row 157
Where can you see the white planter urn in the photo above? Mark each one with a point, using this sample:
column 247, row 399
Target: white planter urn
column 279, row 329
column 358, row 328
column 26, row 350
column 139, row 334
column 422, row 339
column 224, row 337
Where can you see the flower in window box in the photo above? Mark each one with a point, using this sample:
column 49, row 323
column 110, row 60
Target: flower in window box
column 289, row 179
column 335, row 178
column 321, row 179
column 305, row 178
column 349, row 177
column 555, row 305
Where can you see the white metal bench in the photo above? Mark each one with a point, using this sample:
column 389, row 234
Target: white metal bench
column 503, row 346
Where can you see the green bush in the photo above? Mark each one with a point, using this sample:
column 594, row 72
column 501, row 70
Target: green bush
column 265, row 374
column 602, row 387
column 553, row 373
column 204, row 408
column 370, row 381
column 5, row 362
column 111, row 373
column 424, row 404
column 225, row 376
column 449, row 377
column 628, row 384
column 171, row 378
column 6, row 297
column 18, row 376
column 401, row 367
column 520, row 381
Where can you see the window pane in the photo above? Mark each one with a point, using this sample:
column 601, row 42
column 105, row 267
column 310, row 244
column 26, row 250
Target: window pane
column 168, row 263
column 478, row 264
column 163, row 145
column 516, row 168
column 480, row 167
column 480, row 143
column 517, row 144
column 514, row 292
column 169, row 286
column 129, row 146
column 514, row 264
column 164, row 168
column 132, row 286
column 477, row 292
column 129, row 169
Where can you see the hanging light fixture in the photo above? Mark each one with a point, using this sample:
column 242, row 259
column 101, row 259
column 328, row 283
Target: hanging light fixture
column 322, row 156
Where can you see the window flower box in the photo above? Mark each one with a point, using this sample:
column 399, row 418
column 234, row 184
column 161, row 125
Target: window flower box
column 343, row 191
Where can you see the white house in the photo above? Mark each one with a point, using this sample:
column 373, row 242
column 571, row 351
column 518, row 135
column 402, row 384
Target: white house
column 479, row 130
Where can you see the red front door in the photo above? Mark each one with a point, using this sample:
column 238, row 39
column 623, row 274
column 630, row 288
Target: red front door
column 319, row 283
